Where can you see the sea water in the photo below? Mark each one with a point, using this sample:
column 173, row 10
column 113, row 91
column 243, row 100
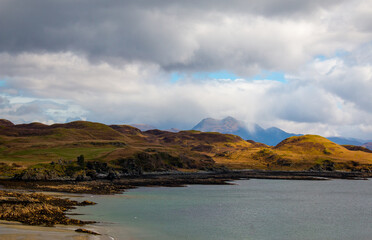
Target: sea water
column 250, row 209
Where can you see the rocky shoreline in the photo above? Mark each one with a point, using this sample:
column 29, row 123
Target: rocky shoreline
column 38, row 209
column 173, row 179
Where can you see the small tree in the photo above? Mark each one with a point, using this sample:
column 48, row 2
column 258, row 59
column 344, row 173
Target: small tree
column 80, row 160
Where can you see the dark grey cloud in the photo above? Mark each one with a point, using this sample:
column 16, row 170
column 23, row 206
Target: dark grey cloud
column 168, row 33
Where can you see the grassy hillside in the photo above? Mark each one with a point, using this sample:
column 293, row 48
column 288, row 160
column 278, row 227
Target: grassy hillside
column 308, row 152
column 315, row 148
column 120, row 147
column 125, row 149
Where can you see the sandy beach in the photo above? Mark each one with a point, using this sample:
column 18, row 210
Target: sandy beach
column 18, row 231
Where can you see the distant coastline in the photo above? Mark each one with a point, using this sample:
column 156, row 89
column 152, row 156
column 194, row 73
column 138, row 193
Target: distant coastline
column 174, row 179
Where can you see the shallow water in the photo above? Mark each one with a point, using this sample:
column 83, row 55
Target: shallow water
column 251, row 209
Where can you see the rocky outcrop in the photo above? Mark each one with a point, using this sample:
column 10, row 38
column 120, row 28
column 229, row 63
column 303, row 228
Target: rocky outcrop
column 83, row 230
column 36, row 174
column 37, row 209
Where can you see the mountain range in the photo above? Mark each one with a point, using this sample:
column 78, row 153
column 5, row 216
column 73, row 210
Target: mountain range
column 270, row 136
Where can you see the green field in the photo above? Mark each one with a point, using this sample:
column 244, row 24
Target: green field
column 36, row 155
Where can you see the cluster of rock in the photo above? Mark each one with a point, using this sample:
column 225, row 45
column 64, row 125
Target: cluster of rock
column 38, row 209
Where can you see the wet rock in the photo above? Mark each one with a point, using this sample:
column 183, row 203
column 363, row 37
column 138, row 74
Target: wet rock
column 82, row 230
column 37, row 209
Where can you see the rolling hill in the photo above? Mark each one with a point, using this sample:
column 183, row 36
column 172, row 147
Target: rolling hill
column 308, row 152
column 84, row 149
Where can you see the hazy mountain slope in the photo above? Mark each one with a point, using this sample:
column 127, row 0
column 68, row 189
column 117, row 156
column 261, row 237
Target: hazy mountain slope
column 368, row 145
column 346, row 141
column 270, row 136
column 143, row 127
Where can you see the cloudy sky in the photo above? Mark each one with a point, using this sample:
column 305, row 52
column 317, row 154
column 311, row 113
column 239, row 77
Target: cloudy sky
column 303, row 66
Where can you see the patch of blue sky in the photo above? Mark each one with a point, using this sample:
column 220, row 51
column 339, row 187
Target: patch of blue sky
column 215, row 75
column 270, row 75
column 175, row 77
column 2, row 82
column 336, row 54
column 264, row 75
column 321, row 58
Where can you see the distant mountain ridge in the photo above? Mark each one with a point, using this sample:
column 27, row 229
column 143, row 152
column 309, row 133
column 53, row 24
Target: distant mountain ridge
column 143, row 127
column 347, row 141
column 270, row 136
column 368, row 145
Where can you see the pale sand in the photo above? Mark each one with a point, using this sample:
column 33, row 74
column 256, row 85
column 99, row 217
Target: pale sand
column 18, row 231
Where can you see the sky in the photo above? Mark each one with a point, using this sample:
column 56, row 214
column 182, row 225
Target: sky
column 302, row 66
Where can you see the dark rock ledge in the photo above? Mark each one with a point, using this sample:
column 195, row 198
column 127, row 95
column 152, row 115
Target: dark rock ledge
column 174, row 179
column 38, row 209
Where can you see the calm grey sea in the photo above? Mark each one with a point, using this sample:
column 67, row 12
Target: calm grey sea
column 251, row 209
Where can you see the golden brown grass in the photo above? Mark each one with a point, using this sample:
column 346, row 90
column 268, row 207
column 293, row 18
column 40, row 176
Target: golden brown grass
column 302, row 152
